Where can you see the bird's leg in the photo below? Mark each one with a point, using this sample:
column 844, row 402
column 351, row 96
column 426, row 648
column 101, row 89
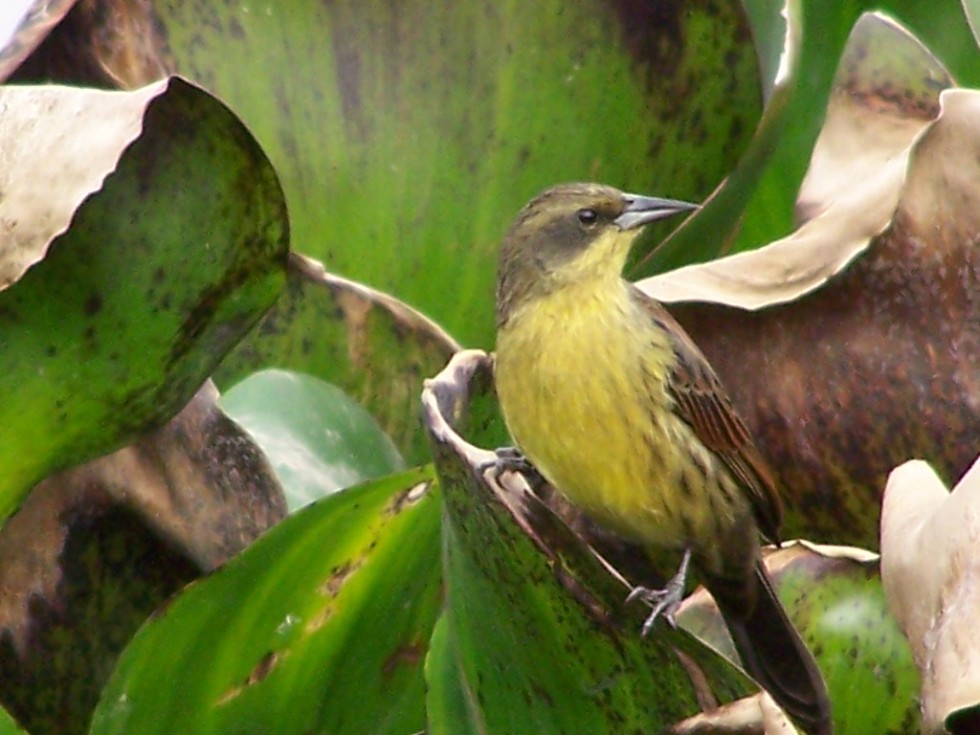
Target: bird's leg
column 664, row 601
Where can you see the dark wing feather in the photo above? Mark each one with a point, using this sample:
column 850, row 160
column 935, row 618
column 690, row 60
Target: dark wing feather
column 703, row 403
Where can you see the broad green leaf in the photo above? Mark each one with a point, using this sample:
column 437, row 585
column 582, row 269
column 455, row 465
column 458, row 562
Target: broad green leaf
column 564, row 654
column 450, row 706
column 318, row 439
column 972, row 10
column 163, row 265
column 320, row 626
column 409, row 134
column 868, row 665
column 371, row 345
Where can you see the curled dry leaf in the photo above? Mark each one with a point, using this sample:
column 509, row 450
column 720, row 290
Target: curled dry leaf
column 94, row 549
column 82, row 139
column 931, row 574
column 854, row 343
column 886, row 92
column 755, row 715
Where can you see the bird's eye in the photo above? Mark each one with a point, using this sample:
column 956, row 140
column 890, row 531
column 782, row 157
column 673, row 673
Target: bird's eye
column 587, row 217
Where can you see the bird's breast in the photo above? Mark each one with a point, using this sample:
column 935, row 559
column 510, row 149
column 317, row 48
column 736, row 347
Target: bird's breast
column 582, row 382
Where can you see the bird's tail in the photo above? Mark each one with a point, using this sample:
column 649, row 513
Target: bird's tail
column 773, row 654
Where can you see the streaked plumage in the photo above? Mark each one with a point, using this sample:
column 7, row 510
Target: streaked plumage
column 613, row 403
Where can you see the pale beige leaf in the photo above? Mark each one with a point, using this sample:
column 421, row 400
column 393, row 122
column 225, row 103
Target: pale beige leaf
column 83, row 133
column 755, row 715
column 931, row 574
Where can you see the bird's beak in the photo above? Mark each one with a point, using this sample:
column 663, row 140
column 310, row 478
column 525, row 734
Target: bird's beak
column 641, row 210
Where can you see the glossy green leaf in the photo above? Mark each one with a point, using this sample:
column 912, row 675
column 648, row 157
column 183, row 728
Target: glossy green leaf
column 164, row 265
column 318, row 439
column 450, row 705
column 320, row 626
column 972, row 10
column 409, row 134
column 564, row 655
column 8, row 726
column 872, row 678
column 835, row 599
column 371, row 345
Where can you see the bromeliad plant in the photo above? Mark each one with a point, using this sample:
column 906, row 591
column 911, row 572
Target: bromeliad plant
column 360, row 572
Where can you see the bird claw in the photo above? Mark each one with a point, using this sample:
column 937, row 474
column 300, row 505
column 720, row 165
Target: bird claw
column 666, row 601
column 663, row 601
column 510, row 458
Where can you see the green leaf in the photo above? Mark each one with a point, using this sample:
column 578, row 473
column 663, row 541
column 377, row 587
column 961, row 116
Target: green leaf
column 318, row 439
column 8, row 726
column 320, row 626
column 162, row 268
column 712, row 229
column 868, row 664
column 451, row 708
column 415, row 131
column 972, row 10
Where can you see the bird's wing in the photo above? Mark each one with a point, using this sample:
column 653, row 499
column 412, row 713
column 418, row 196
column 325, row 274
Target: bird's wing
column 703, row 403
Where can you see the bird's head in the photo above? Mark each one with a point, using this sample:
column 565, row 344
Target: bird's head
column 572, row 233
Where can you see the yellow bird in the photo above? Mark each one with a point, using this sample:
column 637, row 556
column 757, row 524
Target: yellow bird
column 610, row 400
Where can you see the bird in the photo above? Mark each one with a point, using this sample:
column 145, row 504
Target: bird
column 609, row 400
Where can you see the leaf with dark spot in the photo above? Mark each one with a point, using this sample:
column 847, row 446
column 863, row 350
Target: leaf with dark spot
column 96, row 348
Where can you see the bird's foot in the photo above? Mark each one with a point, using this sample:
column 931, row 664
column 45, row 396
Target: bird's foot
column 510, row 458
column 664, row 601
